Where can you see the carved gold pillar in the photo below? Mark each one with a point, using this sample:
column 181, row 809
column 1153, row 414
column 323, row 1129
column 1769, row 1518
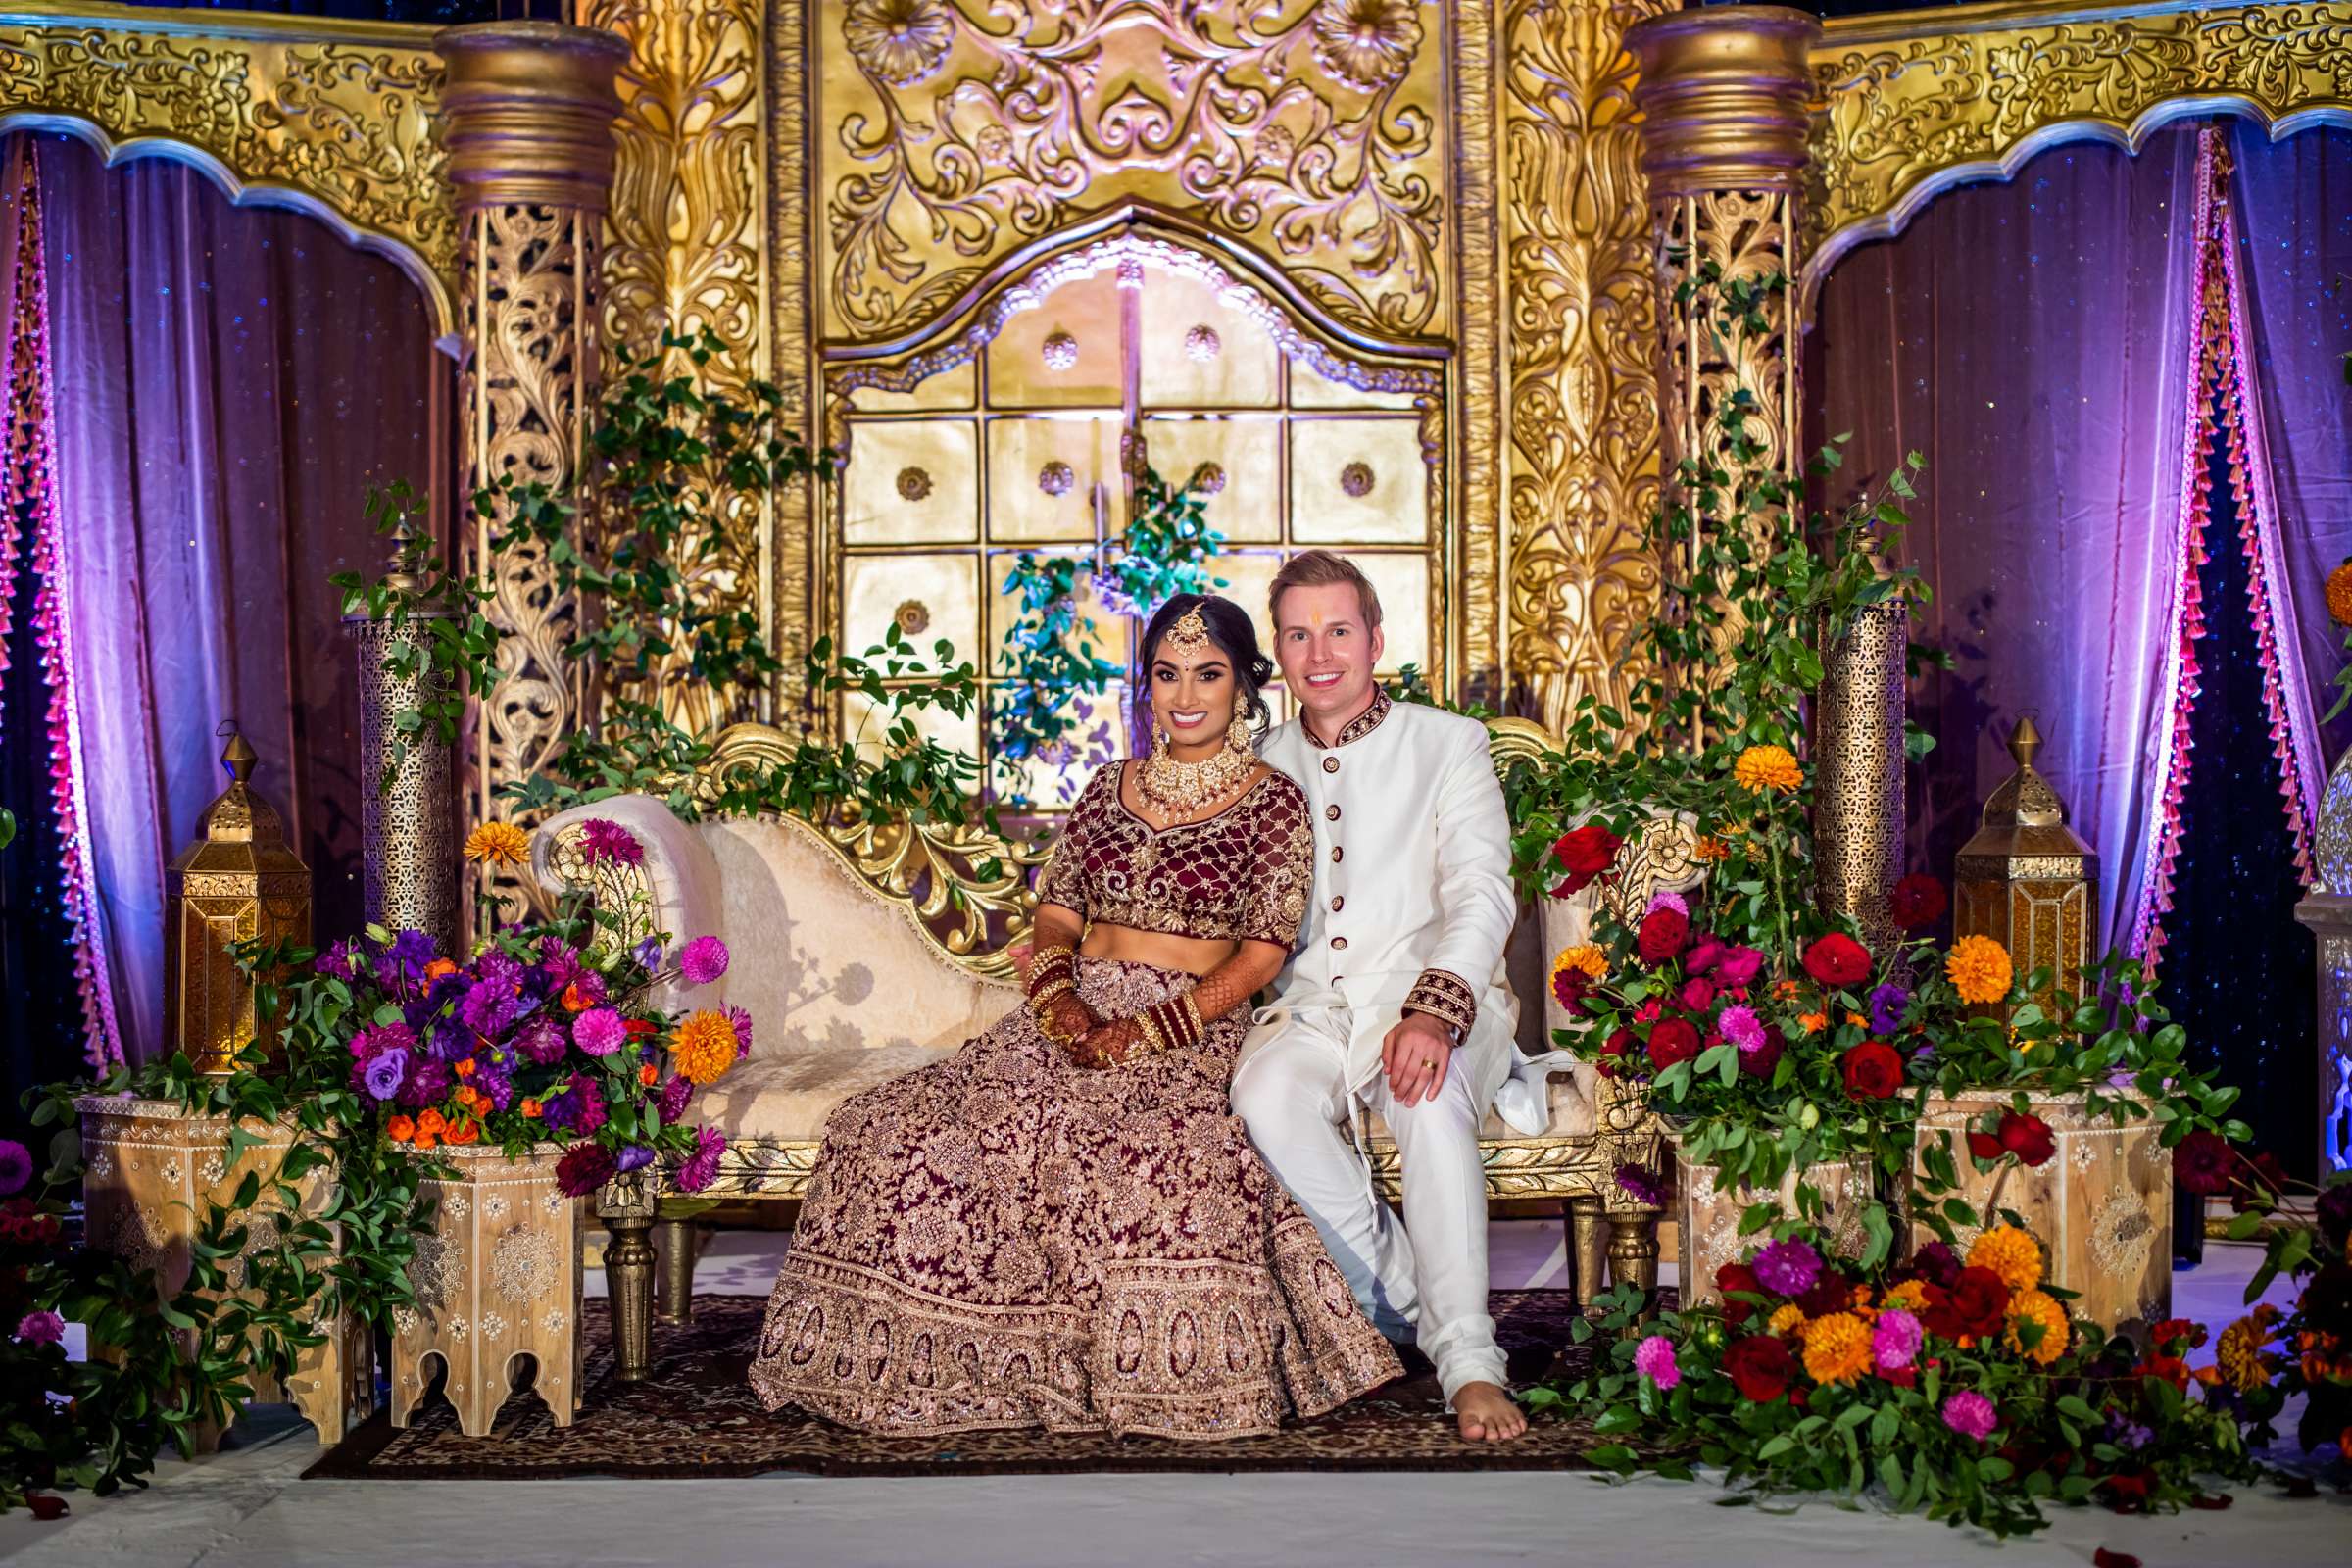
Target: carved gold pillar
column 1724, row 96
column 1578, row 314
column 527, row 119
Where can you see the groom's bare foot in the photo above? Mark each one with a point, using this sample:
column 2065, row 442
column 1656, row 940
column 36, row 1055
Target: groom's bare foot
column 1486, row 1413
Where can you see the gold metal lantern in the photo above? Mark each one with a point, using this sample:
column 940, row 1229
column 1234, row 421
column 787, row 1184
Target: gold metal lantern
column 2027, row 880
column 238, row 880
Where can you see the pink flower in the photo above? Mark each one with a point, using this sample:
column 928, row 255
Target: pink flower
column 1653, row 1359
column 603, row 839
column 1698, row 995
column 41, row 1328
column 702, row 960
column 1894, row 1341
column 1739, row 967
column 1971, row 1415
column 1667, row 899
column 702, row 1166
column 599, row 1031
column 1740, row 1027
column 742, row 1021
column 1648, row 1012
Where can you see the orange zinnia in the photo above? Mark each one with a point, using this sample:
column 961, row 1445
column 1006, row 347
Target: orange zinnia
column 575, row 1002
column 439, row 968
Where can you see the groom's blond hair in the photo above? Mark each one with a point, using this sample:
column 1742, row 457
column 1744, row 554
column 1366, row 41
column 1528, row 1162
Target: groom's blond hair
column 1321, row 568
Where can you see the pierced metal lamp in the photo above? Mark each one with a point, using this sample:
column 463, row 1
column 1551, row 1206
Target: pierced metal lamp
column 2027, row 880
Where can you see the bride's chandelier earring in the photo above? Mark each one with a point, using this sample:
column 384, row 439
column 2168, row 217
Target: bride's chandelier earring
column 1236, row 733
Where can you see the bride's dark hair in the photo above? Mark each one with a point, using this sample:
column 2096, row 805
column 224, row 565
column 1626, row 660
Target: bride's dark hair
column 1235, row 637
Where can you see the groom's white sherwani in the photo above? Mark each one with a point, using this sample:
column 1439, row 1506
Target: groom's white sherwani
column 1413, row 907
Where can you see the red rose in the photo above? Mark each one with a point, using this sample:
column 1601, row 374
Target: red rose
column 1697, row 996
column 2028, row 1138
column 1978, row 1304
column 1759, row 1062
column 45, row 1508
column 1837, row 959
column 1737, row 1277
column 1613, row 1052
column 1759, row 1366
column 1985, row 1146
column 1873, row 1070
column 1830, row 1292
column 1585, row 852
column 1904, row 1377
column 1918, row 900
column 1672, row 1040
column 1664, row 930
column 2201, row 1164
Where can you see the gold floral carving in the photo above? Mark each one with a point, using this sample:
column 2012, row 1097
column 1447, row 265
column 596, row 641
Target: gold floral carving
column 685, row 250
column 957, row 131
column 530, row 320
column 1580, row 311
column 1907, row 114
column 332, row 117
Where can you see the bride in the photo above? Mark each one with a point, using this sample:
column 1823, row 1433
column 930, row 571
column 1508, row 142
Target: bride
column 1062, row 1225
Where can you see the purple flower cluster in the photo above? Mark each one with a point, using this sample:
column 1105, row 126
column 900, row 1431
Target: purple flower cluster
column 1886, row 1004
column 603, row 839
column 702, row 960
column 1787, row 1267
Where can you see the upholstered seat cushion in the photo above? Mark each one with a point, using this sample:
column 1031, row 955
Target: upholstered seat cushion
column 786, row 1099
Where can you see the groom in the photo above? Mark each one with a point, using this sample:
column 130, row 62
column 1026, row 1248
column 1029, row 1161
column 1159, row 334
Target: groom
column 1395, row 998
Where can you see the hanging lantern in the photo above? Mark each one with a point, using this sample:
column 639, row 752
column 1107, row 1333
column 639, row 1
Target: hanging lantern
column 238, row 880
column 2025, row 880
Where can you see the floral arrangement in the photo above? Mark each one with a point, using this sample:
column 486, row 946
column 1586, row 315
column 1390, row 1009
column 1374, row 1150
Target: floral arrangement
column 2272, row 1357
column 546, row 1034
column 1958, row 1382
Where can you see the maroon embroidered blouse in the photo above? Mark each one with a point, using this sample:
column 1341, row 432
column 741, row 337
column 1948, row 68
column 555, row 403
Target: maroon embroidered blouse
column 1241, row 875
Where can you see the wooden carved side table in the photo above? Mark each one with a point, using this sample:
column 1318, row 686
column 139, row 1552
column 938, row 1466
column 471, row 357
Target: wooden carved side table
column 151, row 1169
column 498, row 1278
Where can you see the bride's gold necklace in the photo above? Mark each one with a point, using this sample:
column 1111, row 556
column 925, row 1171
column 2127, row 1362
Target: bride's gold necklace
column 1178, row 791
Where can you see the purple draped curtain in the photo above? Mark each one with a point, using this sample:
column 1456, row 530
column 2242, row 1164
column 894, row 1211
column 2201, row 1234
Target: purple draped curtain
column 2033, row 340
column 2294, row 220
column 229, row 382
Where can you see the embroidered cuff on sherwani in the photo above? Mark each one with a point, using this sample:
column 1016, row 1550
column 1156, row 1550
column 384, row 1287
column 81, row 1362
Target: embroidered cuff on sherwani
column 1446, row 998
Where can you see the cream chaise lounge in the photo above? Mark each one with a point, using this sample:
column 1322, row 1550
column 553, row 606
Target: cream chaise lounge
column 864, row 950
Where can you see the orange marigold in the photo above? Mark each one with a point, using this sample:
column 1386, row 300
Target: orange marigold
column 500, row 843
column 2240, row 1352
column 1764, row 768
column 2339, row 594
column 2032, row 1307
column 1710, row 848
column 1786, row 1319
column 1585, row 957
column 1911, row 1295
column 2011, row 1253
column 1836, row 1348
column 1979, row 969
column 704, row 1047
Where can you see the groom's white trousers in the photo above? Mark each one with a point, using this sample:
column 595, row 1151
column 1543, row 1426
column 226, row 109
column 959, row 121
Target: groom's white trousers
column 1426, row 1277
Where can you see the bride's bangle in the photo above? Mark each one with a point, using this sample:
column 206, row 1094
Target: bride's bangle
column 1174, row 1024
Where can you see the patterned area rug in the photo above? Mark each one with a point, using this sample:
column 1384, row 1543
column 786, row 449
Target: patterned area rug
column 696, row 1416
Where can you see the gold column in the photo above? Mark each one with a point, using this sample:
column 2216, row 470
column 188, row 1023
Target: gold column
column 1579, row 318
column 1724, row 96
column 527, row 119
column 1858, row 769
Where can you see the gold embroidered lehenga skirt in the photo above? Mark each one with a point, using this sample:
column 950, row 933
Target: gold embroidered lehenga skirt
column 1007, row 1240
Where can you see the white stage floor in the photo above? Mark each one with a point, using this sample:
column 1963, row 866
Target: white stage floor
column 245, row 1508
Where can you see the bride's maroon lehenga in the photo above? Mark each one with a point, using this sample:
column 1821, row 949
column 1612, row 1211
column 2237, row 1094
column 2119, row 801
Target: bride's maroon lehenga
column 1005, row 1239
